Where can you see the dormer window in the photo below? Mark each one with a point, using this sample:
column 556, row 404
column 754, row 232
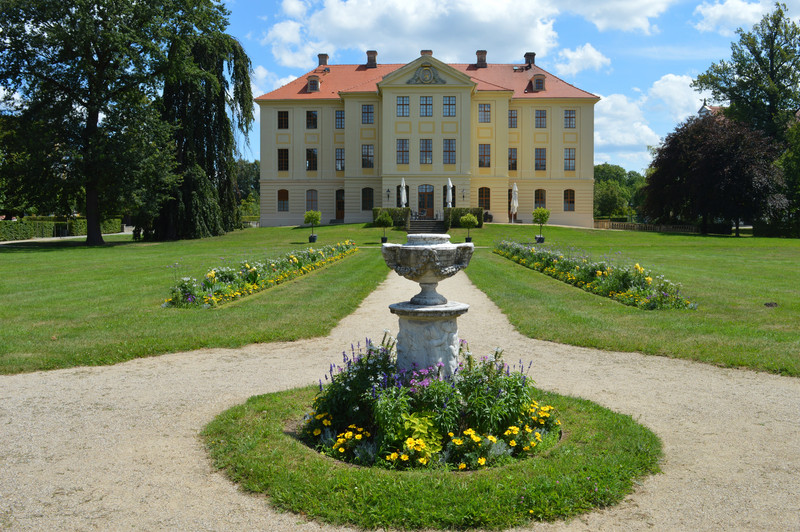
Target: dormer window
column 313, row 83
column 538, row 82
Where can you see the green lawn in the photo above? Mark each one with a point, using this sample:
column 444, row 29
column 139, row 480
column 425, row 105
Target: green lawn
column 68, row 305
column 730, row 278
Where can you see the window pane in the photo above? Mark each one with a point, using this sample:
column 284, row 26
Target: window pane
column 426, row 106
column 541, row 118
column 283, row 119
column 449, row 151
column 484, row 198
column 367, row 199
column 367, row 114
column 283, row 200
column 569, row 200
column 512, row 158
column 339, row 119
column 283, row 160
column 402, row 151
column 311, row 120
column 425, row 155
column 402, row 106
column 367, row 156
column 539, row 199
column 311, row 159
column 569, row 119
column 449, row 106
column 484, row 155
column 540, row 162
column 512, row 118
column 484, row 112
column 569, row 159
column 311, row 200
column 339, row 159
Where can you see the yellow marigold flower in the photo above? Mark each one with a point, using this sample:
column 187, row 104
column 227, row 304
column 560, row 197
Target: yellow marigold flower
column 341, row 449
column 317, row 432
column 359, row 436
column 526, row 448
column 326, row 422
column 422, row 460
column 404, row 457
column 462, row 465
column 450, row 434
column 512, row 443
column 348, row 435
column 481, row 460
column 599, row 273
column 458, row 441
column 648, row 279
column 319, row 416
column 491, row 438
column 538, row 436
column 352, row 427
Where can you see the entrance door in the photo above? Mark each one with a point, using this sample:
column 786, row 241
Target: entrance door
column 340, row 204
column 425, row 193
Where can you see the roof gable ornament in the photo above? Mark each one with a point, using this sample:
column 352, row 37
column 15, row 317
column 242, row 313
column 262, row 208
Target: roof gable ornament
column 426, row 75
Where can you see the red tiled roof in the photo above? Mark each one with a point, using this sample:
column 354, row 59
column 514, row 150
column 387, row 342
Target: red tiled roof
column 336, row 79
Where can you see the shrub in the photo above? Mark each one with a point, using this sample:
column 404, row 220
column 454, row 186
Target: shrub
column 313, row 218
column 400, row 215
column 540, row 217
column 469, row 221
column 452, row 216
column 483, row 415
column 384, row 220
column 630, row 285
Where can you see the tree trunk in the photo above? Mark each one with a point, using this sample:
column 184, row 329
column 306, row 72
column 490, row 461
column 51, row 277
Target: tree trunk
column 94, row 236
column 737, row 226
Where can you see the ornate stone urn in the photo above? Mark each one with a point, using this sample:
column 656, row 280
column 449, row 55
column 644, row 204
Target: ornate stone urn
column 428, row 331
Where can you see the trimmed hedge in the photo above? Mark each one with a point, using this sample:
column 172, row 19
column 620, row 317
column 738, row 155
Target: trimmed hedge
column 44, row 227
column 400, row 215
column 452, row 216
column 781, row 228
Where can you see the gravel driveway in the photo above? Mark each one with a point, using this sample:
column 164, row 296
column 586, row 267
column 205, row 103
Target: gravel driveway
column 117, row 447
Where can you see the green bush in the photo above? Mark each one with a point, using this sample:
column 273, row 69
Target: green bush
column 24, row 229
column 452, row 216
column 400, row 215
column 48, row 226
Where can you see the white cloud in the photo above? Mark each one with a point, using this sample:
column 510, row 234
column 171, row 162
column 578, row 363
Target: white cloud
column 453, row 29
column 584, row 57
column 619, row 122
column 621, row 14
column 263, row 81
column 294, row 8
column 724, row 17
column 672, row 94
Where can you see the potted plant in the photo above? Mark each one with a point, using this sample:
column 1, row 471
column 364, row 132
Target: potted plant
column 313, row 218
column 540, row 216
column 384, row 220
column 469, row 221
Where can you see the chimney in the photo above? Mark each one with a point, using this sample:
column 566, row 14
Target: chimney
column 323, row 59
column 481, row 62
column 372, row 59
column 530, row 58
column 426, row 52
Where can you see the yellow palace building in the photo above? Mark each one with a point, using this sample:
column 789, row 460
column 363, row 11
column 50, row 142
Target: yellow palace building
column 342, row 138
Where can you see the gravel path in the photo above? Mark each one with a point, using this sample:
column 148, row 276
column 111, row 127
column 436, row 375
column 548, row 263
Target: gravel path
column 117, row 447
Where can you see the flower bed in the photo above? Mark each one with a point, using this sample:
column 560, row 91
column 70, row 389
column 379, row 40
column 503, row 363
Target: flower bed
column 630, row 285
column 372, row 414
column 223, row 284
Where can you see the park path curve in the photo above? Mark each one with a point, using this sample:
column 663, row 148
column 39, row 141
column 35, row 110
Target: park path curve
column 117, row 447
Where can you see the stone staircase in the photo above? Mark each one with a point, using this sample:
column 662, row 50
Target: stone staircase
column 426, row 226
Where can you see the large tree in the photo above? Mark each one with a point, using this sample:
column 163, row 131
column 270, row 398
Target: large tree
column 760, row 84
column 713, row 168
column 88, row 74
column 71, row 63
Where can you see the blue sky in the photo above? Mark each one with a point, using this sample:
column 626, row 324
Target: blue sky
column 639, row 57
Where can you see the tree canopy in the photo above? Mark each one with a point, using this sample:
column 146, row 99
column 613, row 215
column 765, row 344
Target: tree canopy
column 713, row 168
column 761, row 82
column 93, row 127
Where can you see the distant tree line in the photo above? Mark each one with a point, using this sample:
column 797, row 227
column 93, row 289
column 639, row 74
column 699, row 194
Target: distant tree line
column 124, row 107
column 740, row 162
column 617, row 192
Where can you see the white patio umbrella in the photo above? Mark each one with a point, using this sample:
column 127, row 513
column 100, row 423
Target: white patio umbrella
column 449, row 197
column 514, row 202
column 403, row 199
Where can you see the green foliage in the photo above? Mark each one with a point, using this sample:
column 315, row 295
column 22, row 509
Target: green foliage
column 713, row 168
column 248, row 179
column 630, row 285
column 408, row 412
column 610, row 199
column 384, row 220
column 313, row 218
column 225, row 283
column 25, row 229
column 540, row 216
column 400, row 215
column 452, row 216
column 468, row 221
column 761, row 81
